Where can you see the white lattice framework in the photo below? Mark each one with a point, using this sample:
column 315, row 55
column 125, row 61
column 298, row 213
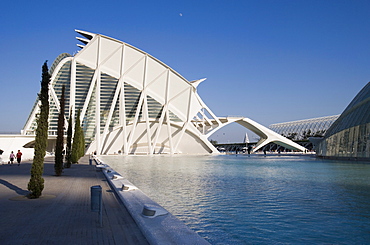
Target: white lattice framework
column 301, row 127
column 132, row 103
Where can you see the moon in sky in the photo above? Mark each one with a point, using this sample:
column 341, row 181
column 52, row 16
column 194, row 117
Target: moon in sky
column 180, row 14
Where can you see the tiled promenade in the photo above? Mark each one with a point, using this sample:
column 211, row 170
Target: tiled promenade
column 62, row 215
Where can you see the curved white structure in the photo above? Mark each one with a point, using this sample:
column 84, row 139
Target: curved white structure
column 132, row 103
column 299, row 130
column 266, row 135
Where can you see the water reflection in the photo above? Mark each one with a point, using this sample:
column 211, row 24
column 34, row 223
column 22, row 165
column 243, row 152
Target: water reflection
column 239, row 200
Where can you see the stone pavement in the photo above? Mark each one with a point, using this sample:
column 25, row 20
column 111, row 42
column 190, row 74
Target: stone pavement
column 62, row 215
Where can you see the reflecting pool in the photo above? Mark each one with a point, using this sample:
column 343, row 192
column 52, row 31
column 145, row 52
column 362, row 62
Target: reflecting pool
column 239, row 199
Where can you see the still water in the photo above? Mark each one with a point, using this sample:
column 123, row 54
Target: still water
column 254, row 199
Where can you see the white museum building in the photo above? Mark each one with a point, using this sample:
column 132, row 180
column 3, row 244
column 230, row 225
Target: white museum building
column 132, row 103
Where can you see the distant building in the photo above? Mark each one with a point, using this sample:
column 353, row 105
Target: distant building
column 349, row 136
column 303, row 129
column 246, row 138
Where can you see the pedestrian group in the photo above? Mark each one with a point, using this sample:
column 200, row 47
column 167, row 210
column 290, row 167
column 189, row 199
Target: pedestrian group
column 12, row 157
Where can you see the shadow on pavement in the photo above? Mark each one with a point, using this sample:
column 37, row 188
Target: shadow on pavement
column 14, row 187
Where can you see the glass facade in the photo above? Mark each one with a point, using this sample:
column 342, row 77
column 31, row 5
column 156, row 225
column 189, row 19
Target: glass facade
column 349, row 136
column 84, row 76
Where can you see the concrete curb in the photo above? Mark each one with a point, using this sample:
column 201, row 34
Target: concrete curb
column 156, row 223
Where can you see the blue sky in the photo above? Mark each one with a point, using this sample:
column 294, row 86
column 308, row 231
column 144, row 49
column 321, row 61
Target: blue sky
column 271, row 61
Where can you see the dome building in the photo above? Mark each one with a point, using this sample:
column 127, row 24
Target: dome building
column 349, row 136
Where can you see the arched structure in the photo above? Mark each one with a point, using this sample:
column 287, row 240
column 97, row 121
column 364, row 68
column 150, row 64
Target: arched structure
column 301, row 129
column 132, row 103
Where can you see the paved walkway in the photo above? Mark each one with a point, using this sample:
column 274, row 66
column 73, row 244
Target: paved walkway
column 62, row 215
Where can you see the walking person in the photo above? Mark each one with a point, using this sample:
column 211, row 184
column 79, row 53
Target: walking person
column 11, row 158
column 19, row 157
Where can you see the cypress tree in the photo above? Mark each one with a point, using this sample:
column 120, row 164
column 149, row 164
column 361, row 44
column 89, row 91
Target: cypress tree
column 82, row 140
column 36, row 183
column 69, row 141
column 78, row 145
column 58, row 166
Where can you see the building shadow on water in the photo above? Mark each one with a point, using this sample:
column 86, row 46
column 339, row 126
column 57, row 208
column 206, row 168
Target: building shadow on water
column 14, row 187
